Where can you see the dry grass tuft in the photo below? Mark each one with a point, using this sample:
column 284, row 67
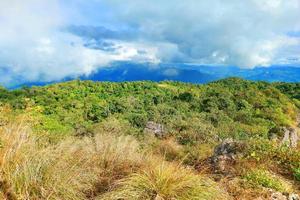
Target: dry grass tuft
column 165, row 181
column 72, row 169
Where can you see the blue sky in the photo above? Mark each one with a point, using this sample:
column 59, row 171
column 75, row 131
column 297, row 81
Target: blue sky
column 52, row 39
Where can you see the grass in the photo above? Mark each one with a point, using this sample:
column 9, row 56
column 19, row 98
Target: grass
column 72, row 169
column 165, row 181
column 100, row 167
column 112, row 165
column 167, row 148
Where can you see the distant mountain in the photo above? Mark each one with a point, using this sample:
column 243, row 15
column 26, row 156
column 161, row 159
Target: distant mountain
column 199, row 74
column 269, row 74
column 193, row 73
column 273, row 74
column 135, row 72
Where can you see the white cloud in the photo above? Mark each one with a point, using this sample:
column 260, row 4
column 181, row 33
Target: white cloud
column 248, row 33
column 171, row 72
column 243, row 33
column 33, row 47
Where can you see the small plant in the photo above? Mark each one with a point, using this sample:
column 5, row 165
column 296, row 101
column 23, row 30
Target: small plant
column 169, row 149
column 297, row 174
column 263, row 178
column 194, row 154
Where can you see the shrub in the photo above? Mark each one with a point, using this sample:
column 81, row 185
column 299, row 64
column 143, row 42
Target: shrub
column 138, row 120
column 270, row 151
column 297, row 174
column 115, row 126
column 168, row 148
column 194, row 130
column 259, row 177
column 197, row 153
column 160, row 180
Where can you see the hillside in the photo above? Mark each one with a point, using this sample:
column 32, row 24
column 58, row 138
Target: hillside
column 226, row 136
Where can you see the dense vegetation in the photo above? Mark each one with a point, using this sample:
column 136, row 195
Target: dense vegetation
column 69, row 118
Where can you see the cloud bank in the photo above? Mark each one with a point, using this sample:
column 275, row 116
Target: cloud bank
column 242, row 33
column 34, row 45
column 52, row 39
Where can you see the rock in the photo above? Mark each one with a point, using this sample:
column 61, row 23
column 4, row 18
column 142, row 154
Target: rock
column 290, row 137
column 221, row 162
column 286, row 136
column 283, row 196
column 155, row 129
column 294, row 138
column 294, row 197
column 227, row 147
column 225, row 155
column 278, row 196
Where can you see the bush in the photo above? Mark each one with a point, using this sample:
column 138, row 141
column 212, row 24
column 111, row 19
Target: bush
column 297, row 174
column 194, row 130
column 115, row 126
column 138, row 120
column 160, row 180
column 197, row 153
column 272, row 152
column 169, row 149
column 259, row 177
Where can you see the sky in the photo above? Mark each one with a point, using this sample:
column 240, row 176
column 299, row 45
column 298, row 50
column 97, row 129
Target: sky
column 50, row 40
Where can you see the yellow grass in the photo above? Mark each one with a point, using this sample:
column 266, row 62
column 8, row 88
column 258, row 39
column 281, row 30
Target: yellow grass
column 73, row 169
column 165, row 181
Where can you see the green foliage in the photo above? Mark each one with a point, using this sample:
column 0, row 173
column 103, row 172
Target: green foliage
column 291, row 89
column 259, row 177
column 297, row 174
column 269, row 151
column 195, row 154
column 115, row 126
column 227, row 108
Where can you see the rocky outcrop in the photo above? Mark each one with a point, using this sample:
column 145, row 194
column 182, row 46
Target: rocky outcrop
column 155, row 129
column 281, row 196
column 290, row 137
column 278, row 196
column 225, row 155
column 294, row 197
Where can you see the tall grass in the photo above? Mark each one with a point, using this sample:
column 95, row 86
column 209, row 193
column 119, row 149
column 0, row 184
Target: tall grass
column 165, row 181
column 106, row 166
column 72, row 169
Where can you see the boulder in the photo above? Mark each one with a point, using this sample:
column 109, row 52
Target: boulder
column 294, row 197
column 294, row 138
column 227, row 147
column 155, row 129
column 278, row 196
column 286, row 136
column 225, row 155
column 284, row 196
column 290, row 137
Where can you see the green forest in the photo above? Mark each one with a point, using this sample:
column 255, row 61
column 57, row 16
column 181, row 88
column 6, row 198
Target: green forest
column 150, row 140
